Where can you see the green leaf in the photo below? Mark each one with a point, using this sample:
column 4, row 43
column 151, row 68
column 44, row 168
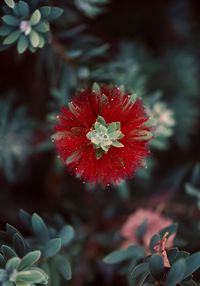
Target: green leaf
column 25, row 218
column 172, row 254
column 101, row 120
column 139, row 269
column 2, row 261
column 42, row 27
column 66, row 234
column 11, row 20
column 124, row 254
column 3, row 275
column 154, row 240
column 75, row 156
column 10, row 3
column 52, row 247
column 32, row 276
column 131, row 100
column 63, row 266
column 41, row 42
column 55, row 13
column 29, row 259
column 19, row 244
column 182, row 254
column 45, row 11
column 12, row 263
column 40, row 229
column 50, row 13
column 99, row 153
column 176, row 273
column 34, row 39
column 23, row 8
column 192, row 264
column 171, row 229
column 35, row 18
column 142, row 135
column 5, row 30
column 11, row 230
column 22, row 44
column 8, row 252
column 96, row 88
column 156, row 266
column 117, row 144
column 12, row 38
column 55, row 278
column 113, row 127
column 141, row 230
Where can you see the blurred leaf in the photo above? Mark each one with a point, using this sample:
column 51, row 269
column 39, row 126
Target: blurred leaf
column 52, row 247
column 156, row 266
column 63, row 266
column 66, row 234
column 192, row 264
column 176, row 273
column 29, row 259
column 40, row 229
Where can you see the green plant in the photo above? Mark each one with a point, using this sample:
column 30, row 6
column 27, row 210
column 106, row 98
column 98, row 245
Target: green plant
column 161, row 266
column 27, row 25
column 46, row 248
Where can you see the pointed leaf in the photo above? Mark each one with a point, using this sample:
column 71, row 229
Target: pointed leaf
column 22, row 44
column 34, row 39
column 40, row 229
column 139, row 269
column 8, row 252
column 10, row 20
column 66, row 234
column 35, row 18
column 10, row 3
column 23, row 8
column 12, row 264
column 19, row 244
column 96, row 88
column 5, row 30
column 12, row 38
column 176, row 273
column 63, row 266
column 29, row 259
column 192, row 264
column 156, row 266
column 32, row 276
column 2, row 261
column 117, row 144
column 99, row 153
column 52, row 247
column 25, row 218
column 42, row 27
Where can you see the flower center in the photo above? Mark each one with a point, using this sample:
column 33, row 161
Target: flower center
column 25, row 27
column 103, row 136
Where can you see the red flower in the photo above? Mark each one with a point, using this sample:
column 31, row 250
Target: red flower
column 155, row 222
column 102, row 136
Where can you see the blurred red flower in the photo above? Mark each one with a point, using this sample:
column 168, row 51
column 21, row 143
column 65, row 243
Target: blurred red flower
column 102, row 136
column 155, row 222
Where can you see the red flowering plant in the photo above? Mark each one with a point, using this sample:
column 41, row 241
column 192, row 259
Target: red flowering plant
column 142, row 225
column 103, row 134
column 163, row 265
